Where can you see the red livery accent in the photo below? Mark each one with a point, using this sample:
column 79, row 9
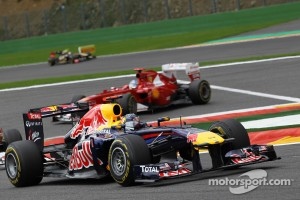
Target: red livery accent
column 34, row 115
column 92, row 120
column 250, row 157
column 54, row 141
column 174, row 173
column 154, row 135
column 192, row 138
column 81, row 158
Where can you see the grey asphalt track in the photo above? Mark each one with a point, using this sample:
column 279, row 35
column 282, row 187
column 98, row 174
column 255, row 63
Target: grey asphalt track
column 274, row 77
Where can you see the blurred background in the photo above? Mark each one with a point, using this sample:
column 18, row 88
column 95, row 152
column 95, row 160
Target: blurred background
column 27, row 18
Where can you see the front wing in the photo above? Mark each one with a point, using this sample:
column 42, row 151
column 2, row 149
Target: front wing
column 251, row 155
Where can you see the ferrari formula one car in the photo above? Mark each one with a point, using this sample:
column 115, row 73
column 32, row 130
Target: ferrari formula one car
column 65, row 57
column 103, row 143
column 151, row 90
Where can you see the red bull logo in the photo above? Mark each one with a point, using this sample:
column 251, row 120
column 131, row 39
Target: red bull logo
column 90, row 122
column 100, row 115
column 49, row 108
column 82, row 158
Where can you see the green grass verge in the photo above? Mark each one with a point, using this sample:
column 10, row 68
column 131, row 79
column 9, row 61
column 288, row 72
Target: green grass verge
column 149, row 36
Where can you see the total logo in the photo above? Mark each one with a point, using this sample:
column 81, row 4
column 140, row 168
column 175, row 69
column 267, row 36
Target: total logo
column 149, row 169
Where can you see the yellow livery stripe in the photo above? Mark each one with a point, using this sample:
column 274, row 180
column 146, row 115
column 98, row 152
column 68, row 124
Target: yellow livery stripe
column 207, row 137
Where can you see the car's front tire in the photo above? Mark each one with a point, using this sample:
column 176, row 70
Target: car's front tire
column 231, row 128
column 125, row 152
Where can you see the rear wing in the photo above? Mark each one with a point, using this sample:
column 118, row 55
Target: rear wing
column 61, row 109
column 33, row 124
column 87, row 49
column 191, row 69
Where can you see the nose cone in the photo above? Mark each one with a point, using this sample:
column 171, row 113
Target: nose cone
column 205, row 138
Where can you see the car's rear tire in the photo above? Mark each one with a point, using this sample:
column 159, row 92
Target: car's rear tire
column 125, row 152
column 11, row 135
column 77, row 98
column 199, row 92
column 52, row 61
column 24, row 163
column 231, row 128
column 128, row 104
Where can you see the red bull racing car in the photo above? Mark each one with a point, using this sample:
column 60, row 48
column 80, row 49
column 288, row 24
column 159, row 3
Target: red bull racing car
column 104, row 143
column 150, row 90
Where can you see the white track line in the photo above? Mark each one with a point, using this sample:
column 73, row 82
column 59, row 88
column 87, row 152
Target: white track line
column 250, row 62
column 260, row 94
column 65, row 83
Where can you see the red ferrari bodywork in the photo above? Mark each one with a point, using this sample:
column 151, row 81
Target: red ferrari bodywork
column 154, row 89
column 146, row 92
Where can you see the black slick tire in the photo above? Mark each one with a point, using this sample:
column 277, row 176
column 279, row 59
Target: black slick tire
column 199, row 92
column 24, row 163
column 128, row 104
column 125, row 152
column 11, row 135
column 231, row 128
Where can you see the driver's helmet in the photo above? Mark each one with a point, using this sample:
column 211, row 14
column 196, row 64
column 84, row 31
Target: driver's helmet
column 66, row 51
column 132, row 84
column 131, row 122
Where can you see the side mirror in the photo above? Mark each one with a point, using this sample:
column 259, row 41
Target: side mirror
column 162, row 119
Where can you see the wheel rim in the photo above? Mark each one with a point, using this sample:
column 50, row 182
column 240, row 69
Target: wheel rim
column 204, row 91
column 118, row 161
column 11, row 165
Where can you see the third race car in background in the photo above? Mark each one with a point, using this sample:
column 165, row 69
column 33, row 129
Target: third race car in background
column 150, row 90
column 65, row 57
column 7, row 137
